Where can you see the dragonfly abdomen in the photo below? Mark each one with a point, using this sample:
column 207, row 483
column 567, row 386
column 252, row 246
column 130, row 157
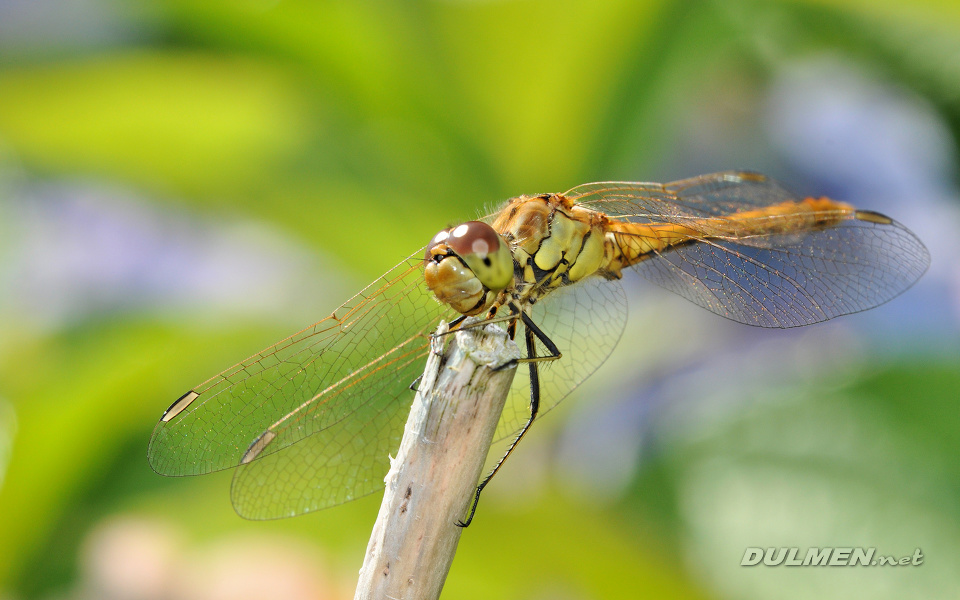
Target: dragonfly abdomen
column 630, row 243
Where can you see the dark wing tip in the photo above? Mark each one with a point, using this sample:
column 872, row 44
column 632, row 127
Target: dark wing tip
column 873, row 217
column 746, row 176
column 257, row 447
column 178, row 405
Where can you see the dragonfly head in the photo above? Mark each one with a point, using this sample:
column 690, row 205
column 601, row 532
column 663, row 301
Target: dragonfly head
column 467, row 265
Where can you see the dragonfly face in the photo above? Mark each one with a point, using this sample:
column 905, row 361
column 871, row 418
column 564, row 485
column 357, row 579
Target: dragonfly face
column 467, row 265
column 309, row 422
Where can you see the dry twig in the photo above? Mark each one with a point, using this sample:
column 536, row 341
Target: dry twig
column 432, row 480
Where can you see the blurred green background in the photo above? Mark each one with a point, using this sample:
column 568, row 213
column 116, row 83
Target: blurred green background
column 185, row 182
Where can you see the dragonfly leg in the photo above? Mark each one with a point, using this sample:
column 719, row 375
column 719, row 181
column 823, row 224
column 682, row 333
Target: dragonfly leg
column 415, row 384
column 451, row 327
column 481, row 323
column 491, row 318
column 532, row 356
column 532, row 334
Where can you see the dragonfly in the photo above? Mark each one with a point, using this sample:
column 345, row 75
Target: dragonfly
column 309, row 422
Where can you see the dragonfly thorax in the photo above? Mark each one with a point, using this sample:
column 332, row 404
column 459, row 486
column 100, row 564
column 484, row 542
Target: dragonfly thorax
column 554, row 241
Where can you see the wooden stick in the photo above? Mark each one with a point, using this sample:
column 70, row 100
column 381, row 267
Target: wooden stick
column 432, row 480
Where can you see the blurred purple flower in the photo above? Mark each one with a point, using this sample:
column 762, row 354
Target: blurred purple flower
column 879, row 147
column 75, row 251
column 47, row 26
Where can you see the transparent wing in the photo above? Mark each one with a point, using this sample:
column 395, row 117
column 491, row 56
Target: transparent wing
column 585, row 320
column 796, row 280
column 342, row 462
column 713, row 195
column 349, row 459
column 764, row 279
column 341, row 374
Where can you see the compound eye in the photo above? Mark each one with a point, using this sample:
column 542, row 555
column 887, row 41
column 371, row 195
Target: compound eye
column 433, row 252
column 484, row 251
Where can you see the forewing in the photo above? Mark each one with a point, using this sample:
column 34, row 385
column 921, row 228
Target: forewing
column 768, row 280
column 713, row 195
column 339, row 463
column 346, row 369
column 350, row 459
column 794, row 280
